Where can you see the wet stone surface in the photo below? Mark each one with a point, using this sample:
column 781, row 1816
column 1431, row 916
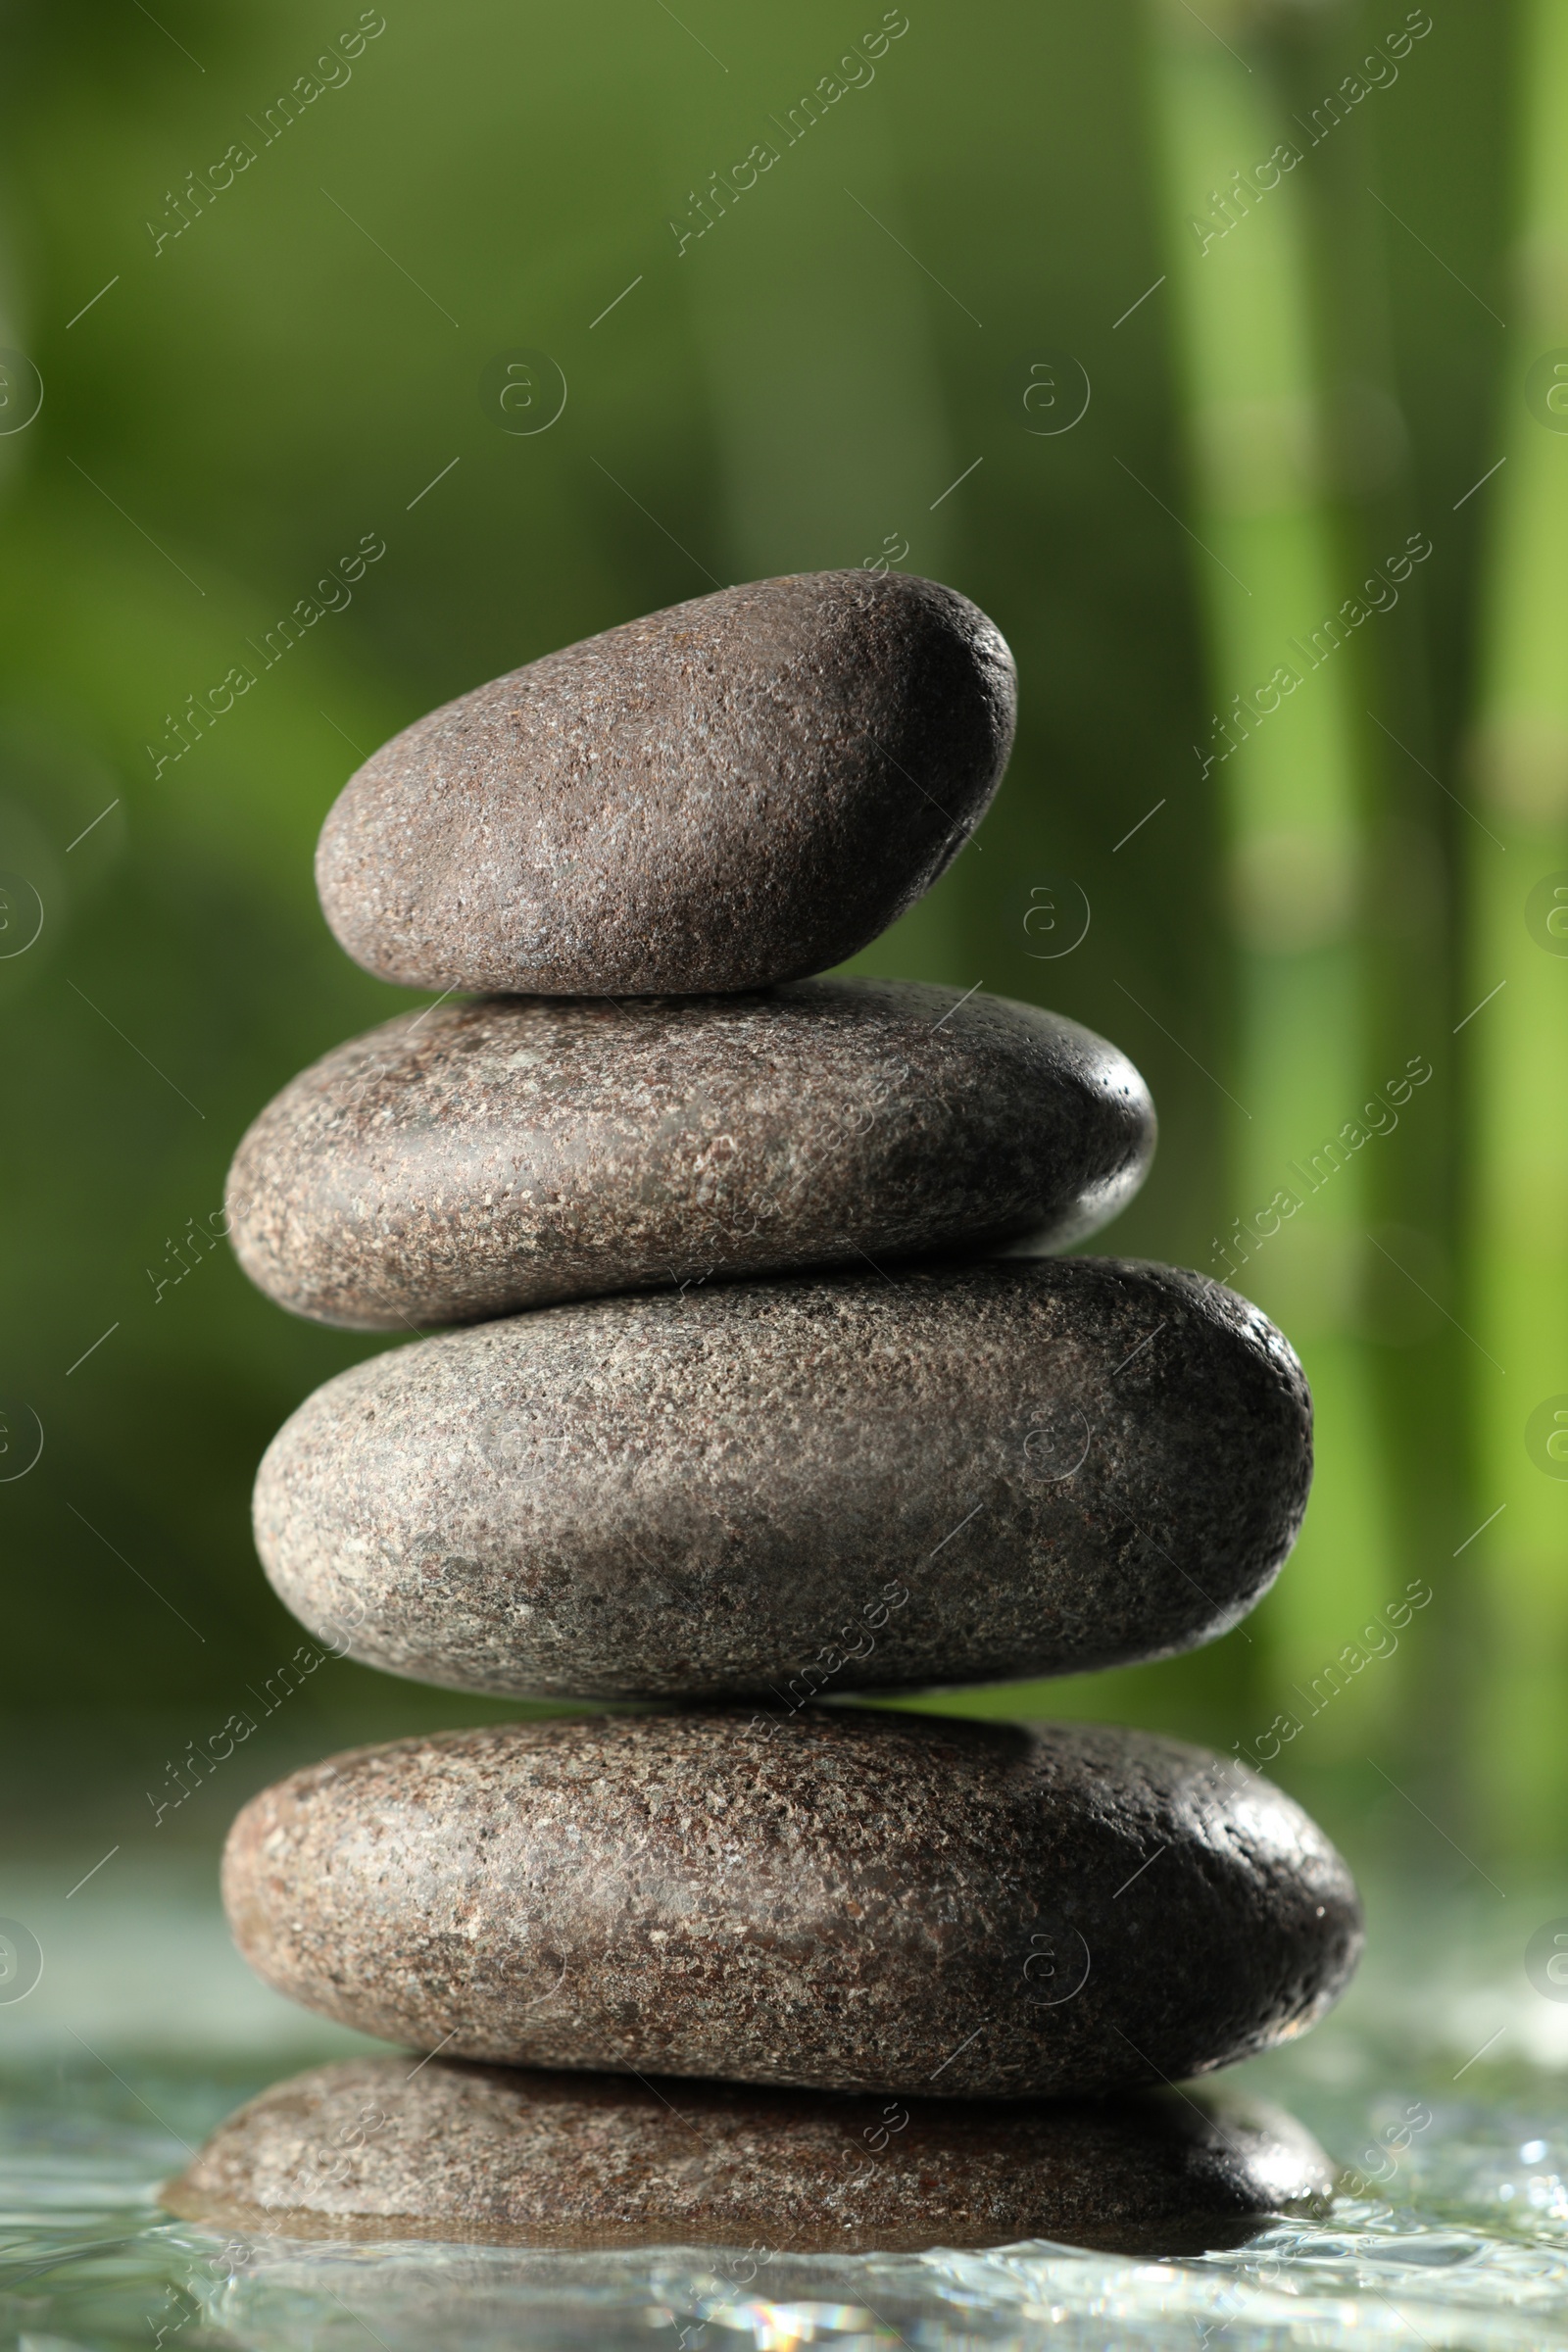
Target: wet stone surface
column 362, row 2149
column 743, row 789
column 842, row 1901
column 1450, row 2227
column 472, row 1159
column 824, row 1484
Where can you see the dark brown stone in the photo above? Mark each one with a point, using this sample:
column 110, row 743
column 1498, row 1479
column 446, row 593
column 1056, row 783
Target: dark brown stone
column 835, row 1482
column 836, row 1900
column 477, row 1159
column 365, row 2150
column 742, row 789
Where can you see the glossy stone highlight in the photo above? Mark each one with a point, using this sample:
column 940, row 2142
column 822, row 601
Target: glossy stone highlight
column 830, row 1483
column 836, row 1901
column 743, row 789
column 472, row 1159
column 362, row 2150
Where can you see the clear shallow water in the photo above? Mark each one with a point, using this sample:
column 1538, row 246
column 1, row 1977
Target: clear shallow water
column 1443, row 2081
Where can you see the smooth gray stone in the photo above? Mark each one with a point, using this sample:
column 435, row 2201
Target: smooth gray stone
column 742, row 789
column 831, row 1482
column 477, row 1158
column 363, row 2150
column 848, row 1901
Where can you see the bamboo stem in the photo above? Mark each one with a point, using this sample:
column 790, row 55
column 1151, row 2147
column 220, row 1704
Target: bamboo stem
column 1284, row 753
column 1516, row 1039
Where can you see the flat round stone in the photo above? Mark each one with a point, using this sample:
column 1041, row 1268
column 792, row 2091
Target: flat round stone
column 476, row 1158
column 838, row 1900
column 742, row 789
column 363, row 2150
column 825, row 1483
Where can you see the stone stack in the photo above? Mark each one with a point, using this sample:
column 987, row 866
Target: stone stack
column 749, row 1408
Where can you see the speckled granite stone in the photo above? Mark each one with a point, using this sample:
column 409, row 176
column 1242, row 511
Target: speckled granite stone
column 359, row 2150
column 832, row 1481
column 742, row 789
column 478, row 1159
column 838, row 1900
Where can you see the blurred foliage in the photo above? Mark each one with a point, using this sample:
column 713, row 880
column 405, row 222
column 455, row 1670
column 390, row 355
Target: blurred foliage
column 836, row 366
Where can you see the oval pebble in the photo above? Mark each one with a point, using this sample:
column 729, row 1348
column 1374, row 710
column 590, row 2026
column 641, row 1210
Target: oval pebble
column 849, row 1901
column 830, row 1483
column 746, row 788
column 530, row 2158
column 477, row 1159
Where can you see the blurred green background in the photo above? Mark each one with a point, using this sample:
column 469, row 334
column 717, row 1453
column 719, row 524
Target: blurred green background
column 1295, row 369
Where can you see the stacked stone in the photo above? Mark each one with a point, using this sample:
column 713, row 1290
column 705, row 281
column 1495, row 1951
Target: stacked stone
column 749, row 1408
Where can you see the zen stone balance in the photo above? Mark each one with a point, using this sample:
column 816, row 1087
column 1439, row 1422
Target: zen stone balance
column 760, row 1392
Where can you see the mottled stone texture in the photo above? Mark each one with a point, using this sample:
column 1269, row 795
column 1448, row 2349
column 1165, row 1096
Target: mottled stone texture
column 478, row 1159
column 835, row 1481
column 359, row 2150
column 743, row 789
column 838, row 1900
